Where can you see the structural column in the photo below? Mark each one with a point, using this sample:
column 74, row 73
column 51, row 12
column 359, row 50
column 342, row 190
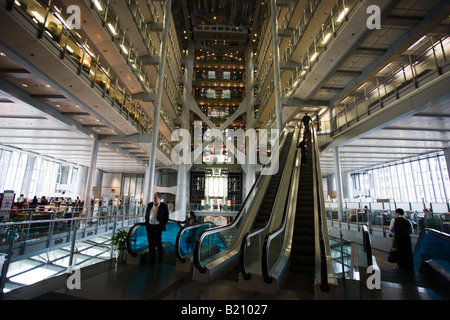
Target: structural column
column 28, row 175
column 90, row 177
column 181, row 196
column 250, row 156
column 447, row 160
column 338, row 177
column 159, row 91
column 276, row 65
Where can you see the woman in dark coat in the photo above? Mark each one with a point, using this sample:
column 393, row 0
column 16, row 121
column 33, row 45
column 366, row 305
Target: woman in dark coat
column 402, row 228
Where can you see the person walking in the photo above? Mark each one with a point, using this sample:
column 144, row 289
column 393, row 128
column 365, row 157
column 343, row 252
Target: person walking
column 402, row 228
column 156, row 218
column 303, row 145
column 306, row 121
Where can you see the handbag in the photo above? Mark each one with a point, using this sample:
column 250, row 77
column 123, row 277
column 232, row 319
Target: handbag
column 393, row 255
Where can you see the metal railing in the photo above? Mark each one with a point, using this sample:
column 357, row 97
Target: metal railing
column 429, row 65
column 35, row 236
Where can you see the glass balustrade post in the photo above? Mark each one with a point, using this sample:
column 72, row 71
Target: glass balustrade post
column 443, row 50
column 82, row 61
column 42, row 30
column 413, row 74
column 73, row 229
column 439, row 70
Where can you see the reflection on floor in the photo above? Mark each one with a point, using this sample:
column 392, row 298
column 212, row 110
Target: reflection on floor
column 112, row 281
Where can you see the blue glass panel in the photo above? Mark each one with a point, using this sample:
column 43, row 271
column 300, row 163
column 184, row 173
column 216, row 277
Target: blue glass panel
column 170, row 235
column 190, row 235
column 139, row 242
column 432, row 246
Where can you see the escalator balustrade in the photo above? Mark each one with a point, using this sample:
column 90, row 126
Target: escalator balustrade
column 269, row 199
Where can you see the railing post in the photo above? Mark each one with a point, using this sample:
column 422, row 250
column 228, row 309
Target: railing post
column 4, row 271
column 74, row 237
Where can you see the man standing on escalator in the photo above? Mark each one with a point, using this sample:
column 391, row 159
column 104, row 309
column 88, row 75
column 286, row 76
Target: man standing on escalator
column 156, row 217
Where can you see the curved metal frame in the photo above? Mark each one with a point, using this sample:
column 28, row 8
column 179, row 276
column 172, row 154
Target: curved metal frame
column 178, row 254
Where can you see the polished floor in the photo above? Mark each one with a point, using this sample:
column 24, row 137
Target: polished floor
column 109, row 280
column 123, row 281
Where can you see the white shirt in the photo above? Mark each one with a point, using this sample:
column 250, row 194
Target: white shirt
column 153, row 214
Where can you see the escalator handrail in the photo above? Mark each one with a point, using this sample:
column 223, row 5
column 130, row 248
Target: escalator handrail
column 131, row 232
column 244, row 272
column 129, row 236
column 205, row 233
column 367, row 244
column 319, row 212
column 434, row 232
column 178, row 254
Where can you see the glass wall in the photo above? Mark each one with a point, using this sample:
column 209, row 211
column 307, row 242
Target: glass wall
column 32, row 176
column 422, row 179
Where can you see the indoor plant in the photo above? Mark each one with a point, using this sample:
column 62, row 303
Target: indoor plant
column 118, row 241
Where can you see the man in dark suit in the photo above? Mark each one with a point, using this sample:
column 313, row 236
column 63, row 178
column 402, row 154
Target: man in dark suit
column 306, row 120
column 156, row 217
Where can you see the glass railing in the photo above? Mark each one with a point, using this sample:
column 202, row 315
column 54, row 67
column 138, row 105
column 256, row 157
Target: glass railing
column 377, row 215
column 113, row 26
column 341, row 255
column 82, row 57
column 44, row 245
column 187, row 236
column 311, row 56
column 424, row 68
column 137, row 241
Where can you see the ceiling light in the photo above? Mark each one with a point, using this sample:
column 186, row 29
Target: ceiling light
column 361, row 86
column 124, row 49
column 382, row 70
column 342, row 15
column 314, row 56
column 37, row 16
column 326, row 38
column 417, row 42
column 111, row 28
column 98, row 5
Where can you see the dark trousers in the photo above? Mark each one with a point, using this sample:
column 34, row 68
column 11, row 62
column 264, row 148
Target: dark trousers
column 154, row 241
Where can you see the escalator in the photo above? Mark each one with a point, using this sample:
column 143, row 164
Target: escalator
column 295, row 253
column 177, row 239
column 255, row 213
column 431, row 267
column 302, row 261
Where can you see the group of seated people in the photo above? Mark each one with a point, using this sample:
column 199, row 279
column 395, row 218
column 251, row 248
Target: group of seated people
column 23, row 207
